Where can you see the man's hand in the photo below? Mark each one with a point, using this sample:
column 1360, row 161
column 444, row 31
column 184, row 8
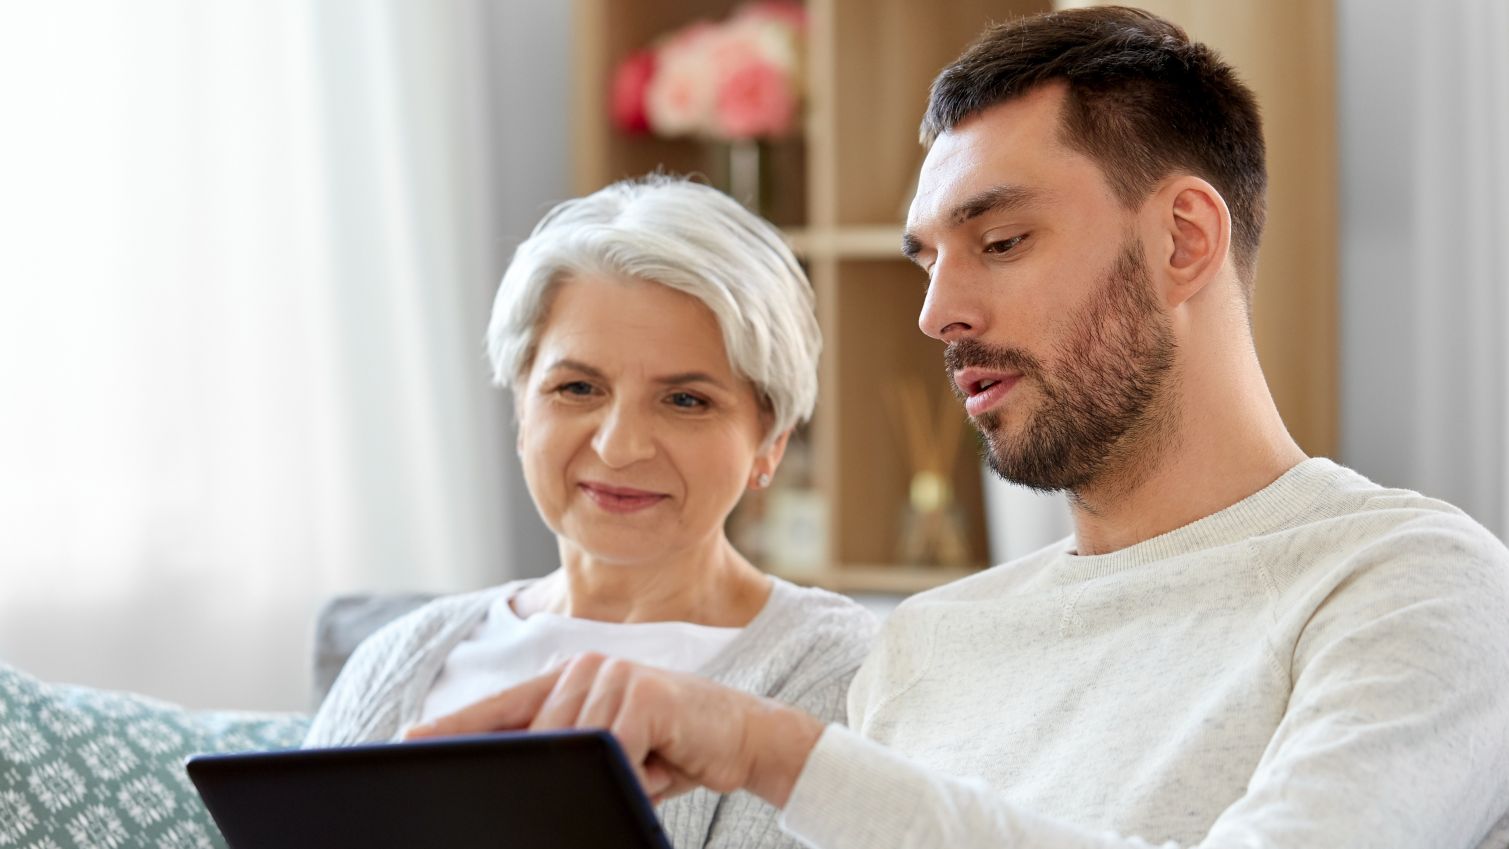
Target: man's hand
column 678, row 730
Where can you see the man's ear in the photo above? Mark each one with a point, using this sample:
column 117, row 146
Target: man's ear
column 1194, row 232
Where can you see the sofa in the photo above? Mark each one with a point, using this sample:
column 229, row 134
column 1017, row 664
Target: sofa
column 82, row 768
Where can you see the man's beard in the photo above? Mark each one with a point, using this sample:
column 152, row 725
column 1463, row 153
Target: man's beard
column 1107, row 404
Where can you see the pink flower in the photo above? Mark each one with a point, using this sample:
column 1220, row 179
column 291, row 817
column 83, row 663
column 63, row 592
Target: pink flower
column 734, row 80
column 770, row 38
column 629, row 86
column 755, row 100
column 679, row 98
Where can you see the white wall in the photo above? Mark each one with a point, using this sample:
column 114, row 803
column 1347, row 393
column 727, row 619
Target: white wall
column 1425, row 273
column 530, row 56
column 249, row 254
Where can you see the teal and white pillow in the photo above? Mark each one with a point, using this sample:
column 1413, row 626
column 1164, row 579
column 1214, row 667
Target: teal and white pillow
column 91, row 769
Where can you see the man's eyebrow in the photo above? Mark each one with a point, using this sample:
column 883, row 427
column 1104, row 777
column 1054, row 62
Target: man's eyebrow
column 910, row 246
column 1003, row 198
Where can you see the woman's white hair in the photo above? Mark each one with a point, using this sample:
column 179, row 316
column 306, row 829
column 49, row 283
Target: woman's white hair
column 692, row 238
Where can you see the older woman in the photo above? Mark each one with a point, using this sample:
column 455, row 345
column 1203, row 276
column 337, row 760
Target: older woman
column 660, row 344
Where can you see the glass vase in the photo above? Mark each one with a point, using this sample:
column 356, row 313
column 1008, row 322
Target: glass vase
column 743, row 173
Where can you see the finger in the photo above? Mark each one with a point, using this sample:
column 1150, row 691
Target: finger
column 696, row 728
column 656, row 778
column 616, row 702
column 643, row 725
column 671, row 781
column 605, row 697
column 634, row 721
column 508, row 710
column 564, row 702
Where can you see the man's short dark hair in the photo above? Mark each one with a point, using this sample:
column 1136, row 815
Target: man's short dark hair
column 1143, row 101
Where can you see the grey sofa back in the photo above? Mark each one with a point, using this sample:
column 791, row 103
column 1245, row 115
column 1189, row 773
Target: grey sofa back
column 344, row 621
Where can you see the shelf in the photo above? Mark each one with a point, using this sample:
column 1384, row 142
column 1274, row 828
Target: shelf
column 854, row 165
column 880, row 241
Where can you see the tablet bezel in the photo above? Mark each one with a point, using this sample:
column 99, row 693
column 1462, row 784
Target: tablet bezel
column 235, row 787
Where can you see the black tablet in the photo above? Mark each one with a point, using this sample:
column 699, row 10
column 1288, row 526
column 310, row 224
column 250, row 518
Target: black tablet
column 568, row 790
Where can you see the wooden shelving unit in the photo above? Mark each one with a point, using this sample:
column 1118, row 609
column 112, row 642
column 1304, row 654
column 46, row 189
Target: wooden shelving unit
column 841, row 193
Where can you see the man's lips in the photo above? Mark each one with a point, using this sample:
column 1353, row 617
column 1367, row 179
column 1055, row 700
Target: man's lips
column 983, row 388
column 620, row 499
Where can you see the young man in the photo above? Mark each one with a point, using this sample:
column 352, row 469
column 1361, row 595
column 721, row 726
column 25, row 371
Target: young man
column 1240, row 646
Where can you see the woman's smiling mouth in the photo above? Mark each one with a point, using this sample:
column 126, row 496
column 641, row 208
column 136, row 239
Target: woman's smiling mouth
column 620, row 499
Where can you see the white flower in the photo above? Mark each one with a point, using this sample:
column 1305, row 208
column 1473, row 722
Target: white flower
column 770, row 38
column 19, row 741
column 146, row 800
column 185, row 835
column 155, row 737
column 66, row 722
column 108, row 758
column 97, row 828
column 56, row 785
column 16, row 818
column 679, row 98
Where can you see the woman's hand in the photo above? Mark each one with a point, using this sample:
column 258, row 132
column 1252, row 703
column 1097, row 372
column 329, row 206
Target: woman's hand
column 679, row 731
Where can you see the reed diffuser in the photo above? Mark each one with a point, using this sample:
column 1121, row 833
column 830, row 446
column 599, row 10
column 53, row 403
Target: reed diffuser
column 932, row 526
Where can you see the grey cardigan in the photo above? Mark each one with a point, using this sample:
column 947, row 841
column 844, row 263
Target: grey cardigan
column 802, row 648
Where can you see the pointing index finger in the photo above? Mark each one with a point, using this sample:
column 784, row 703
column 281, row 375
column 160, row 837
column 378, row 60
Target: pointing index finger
column 507, row 710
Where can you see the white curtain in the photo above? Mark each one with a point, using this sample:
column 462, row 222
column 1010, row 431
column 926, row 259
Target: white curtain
column 248, row 251
column 1424, row 95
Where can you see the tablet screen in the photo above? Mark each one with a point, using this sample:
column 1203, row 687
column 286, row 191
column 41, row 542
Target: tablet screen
column 567, row 790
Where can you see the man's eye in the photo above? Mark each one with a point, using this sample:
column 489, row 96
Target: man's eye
column 686, row 401
column 1004, row 245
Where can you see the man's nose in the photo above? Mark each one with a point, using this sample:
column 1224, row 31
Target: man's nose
column 953, row 308
column 625, row 436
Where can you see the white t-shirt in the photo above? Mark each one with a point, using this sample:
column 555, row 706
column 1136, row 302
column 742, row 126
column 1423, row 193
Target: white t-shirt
column 504, row 650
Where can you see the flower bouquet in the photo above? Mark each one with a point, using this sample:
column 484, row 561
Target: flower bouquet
column 733, row 80
column 738, row 82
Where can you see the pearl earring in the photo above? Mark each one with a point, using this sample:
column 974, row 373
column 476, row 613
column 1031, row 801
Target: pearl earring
column 763, row 480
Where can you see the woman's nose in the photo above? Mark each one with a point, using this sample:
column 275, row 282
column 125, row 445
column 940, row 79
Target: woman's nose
column 624, row 437
column 952, row 308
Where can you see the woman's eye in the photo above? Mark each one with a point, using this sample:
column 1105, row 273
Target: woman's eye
column 686, row 401
column 1004, row 245
column 575, row 389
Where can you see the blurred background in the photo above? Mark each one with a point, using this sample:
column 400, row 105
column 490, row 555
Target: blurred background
column 248, row 249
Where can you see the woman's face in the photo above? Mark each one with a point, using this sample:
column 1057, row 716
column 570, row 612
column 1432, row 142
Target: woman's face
column 636, row 435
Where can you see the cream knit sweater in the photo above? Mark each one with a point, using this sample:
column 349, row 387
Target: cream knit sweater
column 1324, row 664
column 802, row 649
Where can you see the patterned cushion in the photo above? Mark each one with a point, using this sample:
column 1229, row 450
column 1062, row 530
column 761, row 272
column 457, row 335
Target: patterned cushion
column 91, row 769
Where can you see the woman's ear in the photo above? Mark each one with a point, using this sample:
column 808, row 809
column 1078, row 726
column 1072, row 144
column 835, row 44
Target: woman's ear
column 516, row 409
column 1194, row 227
column 768, row 460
